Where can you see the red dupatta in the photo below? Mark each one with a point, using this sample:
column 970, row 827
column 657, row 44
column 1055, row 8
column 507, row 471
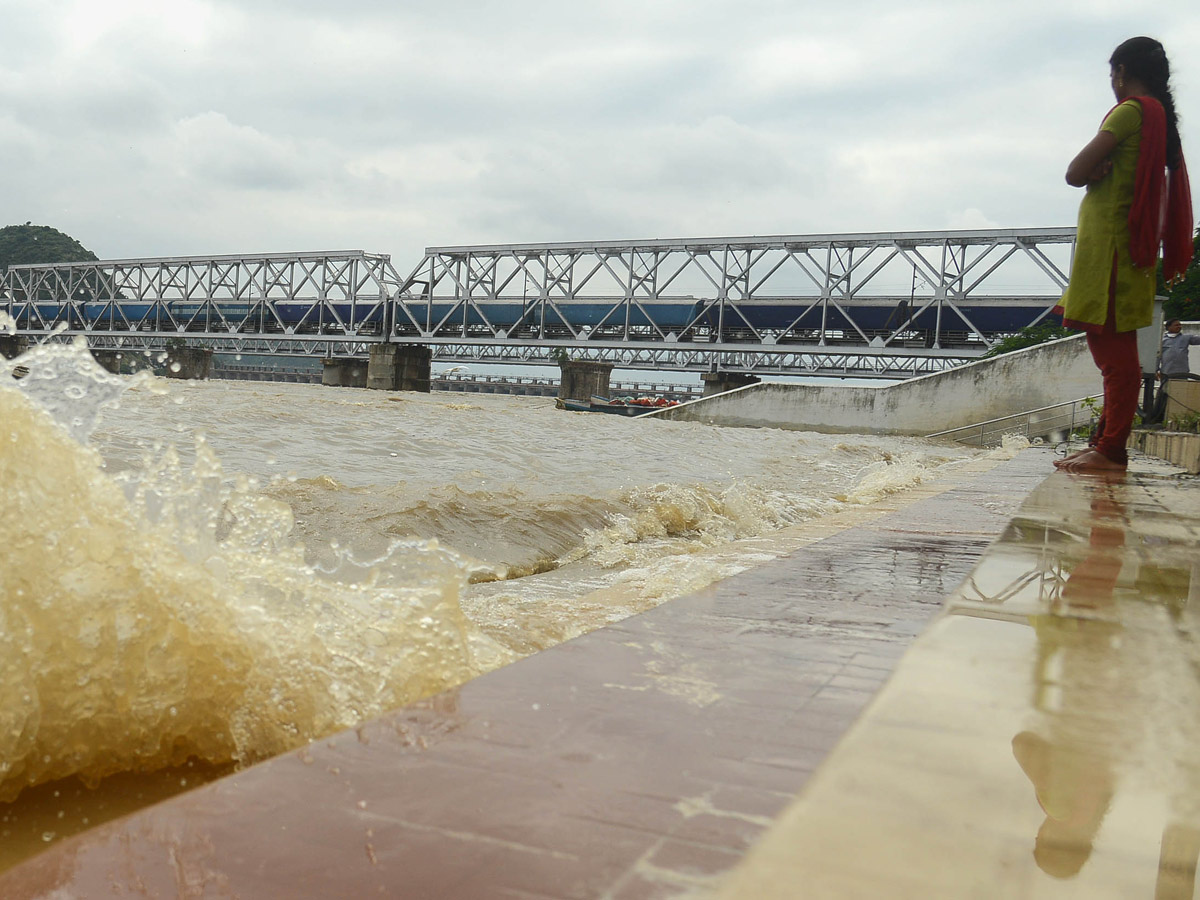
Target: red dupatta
column 1162, row 202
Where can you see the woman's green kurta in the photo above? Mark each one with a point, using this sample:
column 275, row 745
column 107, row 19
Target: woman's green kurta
column 1103, row 230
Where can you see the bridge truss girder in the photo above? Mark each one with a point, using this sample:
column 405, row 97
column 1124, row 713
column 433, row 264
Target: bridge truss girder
column 341, row 293
column 921, row 291
column 815, row 304
column 250, row 345
column 686, row 357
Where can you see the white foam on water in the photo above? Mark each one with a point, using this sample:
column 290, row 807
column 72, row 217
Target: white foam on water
column 307, row 564
column 166, row 613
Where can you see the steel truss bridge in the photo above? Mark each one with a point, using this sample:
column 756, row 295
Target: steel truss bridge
column 866, row 305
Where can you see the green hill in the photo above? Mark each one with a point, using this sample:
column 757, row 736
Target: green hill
column 39, row 244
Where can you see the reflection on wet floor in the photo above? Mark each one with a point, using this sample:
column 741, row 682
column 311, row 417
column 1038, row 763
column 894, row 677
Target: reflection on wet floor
column 58, row 809
column 1042, row 739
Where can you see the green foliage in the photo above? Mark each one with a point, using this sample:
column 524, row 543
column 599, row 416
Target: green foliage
column 1183, row 300
column 1189, row 422
column 1029, row 337
column 1095, row 406
column 39, row 244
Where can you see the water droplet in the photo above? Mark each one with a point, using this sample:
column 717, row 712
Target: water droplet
column 47, row 836
column 536, row 707
column 174, row 367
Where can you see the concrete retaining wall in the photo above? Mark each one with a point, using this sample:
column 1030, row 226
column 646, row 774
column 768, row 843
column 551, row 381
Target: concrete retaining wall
column 1012, row 383
column 1175, row 447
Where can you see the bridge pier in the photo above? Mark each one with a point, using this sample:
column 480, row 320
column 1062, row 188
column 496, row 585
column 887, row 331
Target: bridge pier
column 13, row 345
column 720, row 382
column 191, row 363
column 109, row 360
column 399, row 367
column 581, row 379
column 344, row 373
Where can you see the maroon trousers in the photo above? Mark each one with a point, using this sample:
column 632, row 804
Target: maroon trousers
column 1116, row 356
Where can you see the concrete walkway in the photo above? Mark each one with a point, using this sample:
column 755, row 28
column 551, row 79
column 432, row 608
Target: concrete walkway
column 644, row 760
column 1042, row 738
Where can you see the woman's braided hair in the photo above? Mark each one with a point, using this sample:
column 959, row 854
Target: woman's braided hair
column 1145, row 60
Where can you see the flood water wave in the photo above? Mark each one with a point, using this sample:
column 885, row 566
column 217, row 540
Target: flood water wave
column 149, row 619
column 224, row 571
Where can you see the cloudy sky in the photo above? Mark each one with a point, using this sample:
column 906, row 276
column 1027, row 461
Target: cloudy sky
column 187, row 127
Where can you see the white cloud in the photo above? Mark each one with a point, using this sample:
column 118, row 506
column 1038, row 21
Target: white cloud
column 214, row 126
column 969, row 219
column 211, row 149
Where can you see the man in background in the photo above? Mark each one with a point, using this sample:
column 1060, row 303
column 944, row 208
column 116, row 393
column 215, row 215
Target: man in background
column 1172, row 365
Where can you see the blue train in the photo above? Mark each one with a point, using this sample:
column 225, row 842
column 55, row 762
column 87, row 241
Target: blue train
column 798, row 320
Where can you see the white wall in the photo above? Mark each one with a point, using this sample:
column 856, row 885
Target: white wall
column 987, row 389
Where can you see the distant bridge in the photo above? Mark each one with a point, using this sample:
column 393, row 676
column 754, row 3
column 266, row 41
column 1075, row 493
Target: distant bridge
column 883, row 305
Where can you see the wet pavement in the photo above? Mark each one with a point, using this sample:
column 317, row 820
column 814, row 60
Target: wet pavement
column 1041, row 739
column 645, row 759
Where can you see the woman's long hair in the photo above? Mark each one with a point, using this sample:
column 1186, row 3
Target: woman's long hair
column 1145, row 60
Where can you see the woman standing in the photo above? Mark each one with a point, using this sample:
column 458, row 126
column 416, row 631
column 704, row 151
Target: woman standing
column 1133, row 170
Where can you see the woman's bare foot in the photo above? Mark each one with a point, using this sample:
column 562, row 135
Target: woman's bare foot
column 1090, row 460
column 1059, row 463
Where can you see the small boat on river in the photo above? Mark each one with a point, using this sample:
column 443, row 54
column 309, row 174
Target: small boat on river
column 630, row 406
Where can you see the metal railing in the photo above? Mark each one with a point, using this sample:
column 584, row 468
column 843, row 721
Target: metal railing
column 1049, row 422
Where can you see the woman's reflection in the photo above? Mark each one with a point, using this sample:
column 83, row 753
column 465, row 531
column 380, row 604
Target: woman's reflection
column 1091, row 713
column 1070, row 763
column 1074, row 787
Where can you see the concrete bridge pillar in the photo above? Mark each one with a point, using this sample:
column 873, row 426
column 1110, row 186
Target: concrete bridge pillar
column 344, row 373
column 191, row 363
column 109, row 360
column 13, row 345
column 720, row 382
column 582, row 379
column 399, row 367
